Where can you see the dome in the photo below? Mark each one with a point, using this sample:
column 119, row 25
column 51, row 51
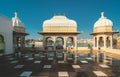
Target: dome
column 59, row 20
column 103, row 21
column 59, row 23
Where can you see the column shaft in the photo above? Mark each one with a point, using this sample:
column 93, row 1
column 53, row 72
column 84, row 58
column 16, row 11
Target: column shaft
column 54, row 41
column 97, row 41
column 111, row 42
column 94, row 41
column 104, row 41
column 64, row 43
column 75, row 40
column 44, row 43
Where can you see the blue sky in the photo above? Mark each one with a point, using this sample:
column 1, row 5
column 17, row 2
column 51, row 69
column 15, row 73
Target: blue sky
column 85, row 12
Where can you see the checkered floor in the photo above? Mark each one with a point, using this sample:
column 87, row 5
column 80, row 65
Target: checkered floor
column 11, row 66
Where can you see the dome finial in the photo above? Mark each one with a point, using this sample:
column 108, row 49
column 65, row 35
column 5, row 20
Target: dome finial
column 102, row 14
column 16, row 14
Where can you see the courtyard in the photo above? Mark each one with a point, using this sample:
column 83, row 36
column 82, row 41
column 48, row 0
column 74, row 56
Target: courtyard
column 55, row 64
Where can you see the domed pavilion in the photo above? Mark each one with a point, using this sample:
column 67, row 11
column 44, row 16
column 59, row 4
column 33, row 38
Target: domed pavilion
column 56, row 32
column 19, row 32
column 103, row 32
column 12, row 34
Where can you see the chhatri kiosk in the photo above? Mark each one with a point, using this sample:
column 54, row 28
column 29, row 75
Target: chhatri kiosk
column 103, row 32
column 12, row 34
column 58, row 31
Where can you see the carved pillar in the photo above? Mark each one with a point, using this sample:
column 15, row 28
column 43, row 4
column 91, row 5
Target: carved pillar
column 111, row 41
column 94, row 41
column 97, row 41
column 75, row 48
column 22, row 39
column 54, row 43
column 64, row 42
column 75, row 40
column 105, row 41
column 44, row 42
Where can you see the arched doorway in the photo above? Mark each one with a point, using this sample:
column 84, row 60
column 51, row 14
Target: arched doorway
column 70, row 41
column 108, row 42
column 70, row 44
column 49, row 43
column 59, row 43
column 2, row 44
column 101, row 42
column 18, row 45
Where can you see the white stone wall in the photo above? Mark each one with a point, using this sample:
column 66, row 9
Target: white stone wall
column 6, row 30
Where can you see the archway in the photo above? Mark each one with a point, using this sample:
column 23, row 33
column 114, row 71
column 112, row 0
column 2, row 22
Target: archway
column 108, row 42
column 2, row 43
column 70, row 41
column 101, row 42
column 59, row 43
column 95, row 42
column 70, row 44
column 18, row 45
column 49, row 43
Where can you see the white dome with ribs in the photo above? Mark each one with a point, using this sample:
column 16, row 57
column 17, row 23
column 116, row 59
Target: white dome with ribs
column 103, row 21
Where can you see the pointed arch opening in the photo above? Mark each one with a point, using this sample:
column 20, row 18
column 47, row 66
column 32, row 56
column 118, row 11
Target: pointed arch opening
column 101, row 42
column 49, row 44
column 59, row 42
column 2, row 44
column 108, row 42
column 70, row 41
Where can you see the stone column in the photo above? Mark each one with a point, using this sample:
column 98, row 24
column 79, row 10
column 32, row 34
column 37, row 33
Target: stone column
column 104, row 41
column 17, row 42
column 64, row 56
column 44, row 42
column 22, row 41
column 111, row 41
column 64, row 42
column 54, row 41
column 75, row 40
column 14, row 41
column 21, row 38
column 97, row 41
column 94, row 41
